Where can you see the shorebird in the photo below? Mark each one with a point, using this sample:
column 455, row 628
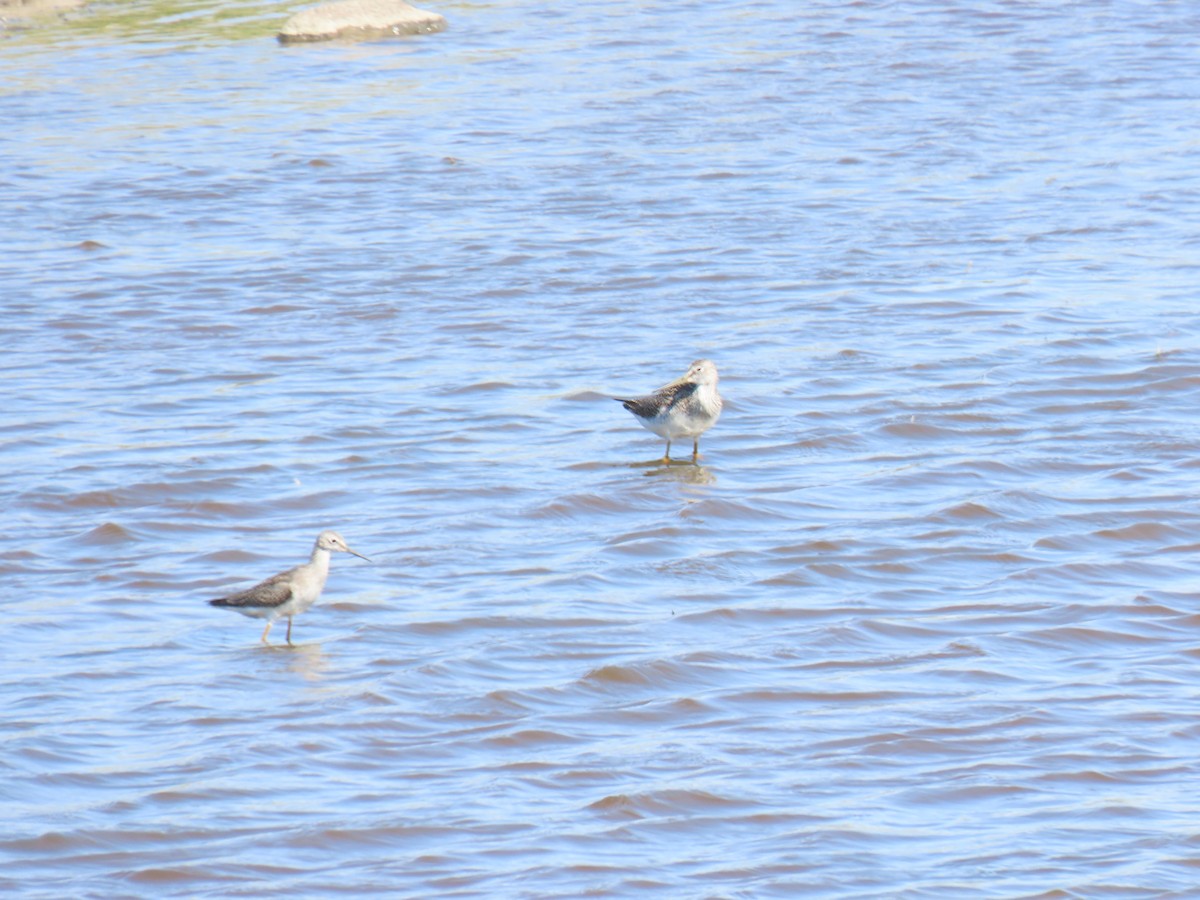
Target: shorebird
column 292, row 592
column 687, row 407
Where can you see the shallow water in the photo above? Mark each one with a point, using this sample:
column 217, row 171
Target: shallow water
column 921, row 622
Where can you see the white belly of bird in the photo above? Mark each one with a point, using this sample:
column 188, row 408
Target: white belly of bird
column 677, row 424
column 688, row 419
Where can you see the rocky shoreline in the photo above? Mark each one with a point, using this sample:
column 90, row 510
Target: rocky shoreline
column 337, row 20
column 32, row 9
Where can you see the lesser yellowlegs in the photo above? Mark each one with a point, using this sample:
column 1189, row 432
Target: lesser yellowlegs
column 292, row 592
column 687, row 407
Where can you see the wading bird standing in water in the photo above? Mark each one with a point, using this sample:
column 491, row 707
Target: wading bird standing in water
column 292, row 592
column 685, row 408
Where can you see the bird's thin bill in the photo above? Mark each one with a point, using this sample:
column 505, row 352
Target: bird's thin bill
column 356, row 553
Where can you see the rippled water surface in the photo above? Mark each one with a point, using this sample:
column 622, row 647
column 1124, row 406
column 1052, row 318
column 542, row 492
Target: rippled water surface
column 922, row 621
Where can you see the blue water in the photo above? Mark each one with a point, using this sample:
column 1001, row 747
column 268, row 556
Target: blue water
column 919, row 623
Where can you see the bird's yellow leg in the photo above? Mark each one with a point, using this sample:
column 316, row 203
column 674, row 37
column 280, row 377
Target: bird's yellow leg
column 265, row 630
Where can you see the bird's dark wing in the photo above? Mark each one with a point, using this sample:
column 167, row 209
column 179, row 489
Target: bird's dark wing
column 273, row 592
column 651, row 405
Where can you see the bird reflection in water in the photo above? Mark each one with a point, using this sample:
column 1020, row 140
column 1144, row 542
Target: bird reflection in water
column 309, row 661
column 677, row 470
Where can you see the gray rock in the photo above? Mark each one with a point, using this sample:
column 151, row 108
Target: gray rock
column 359, row 19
